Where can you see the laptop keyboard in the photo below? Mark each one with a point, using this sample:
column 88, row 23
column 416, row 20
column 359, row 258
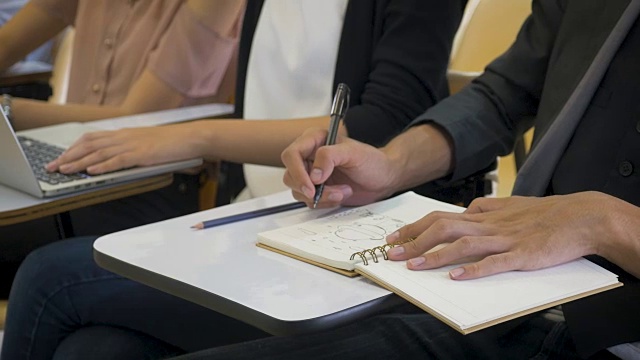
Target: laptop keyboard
column 40, row 154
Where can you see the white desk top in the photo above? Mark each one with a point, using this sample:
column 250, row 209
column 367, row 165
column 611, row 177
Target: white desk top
column 221, row 268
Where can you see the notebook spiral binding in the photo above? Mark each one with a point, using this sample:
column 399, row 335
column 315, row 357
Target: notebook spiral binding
column 382, row 249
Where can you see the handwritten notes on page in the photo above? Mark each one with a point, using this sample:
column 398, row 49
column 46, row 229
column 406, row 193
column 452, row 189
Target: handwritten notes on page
column 332, row 239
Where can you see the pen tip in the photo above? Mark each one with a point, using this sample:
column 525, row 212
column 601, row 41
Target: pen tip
column 197, row 226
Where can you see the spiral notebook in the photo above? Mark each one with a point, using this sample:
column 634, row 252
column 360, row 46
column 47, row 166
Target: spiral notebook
column 352, row 242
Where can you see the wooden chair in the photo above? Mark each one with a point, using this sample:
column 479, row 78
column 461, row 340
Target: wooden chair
column 487, row 29
column 62, row 67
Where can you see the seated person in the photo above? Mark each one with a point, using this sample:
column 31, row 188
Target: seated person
column 393, row 55
column 579, row 193
column 128, row 57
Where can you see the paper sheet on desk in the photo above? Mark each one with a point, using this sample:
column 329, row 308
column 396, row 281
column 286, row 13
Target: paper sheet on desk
column 164, row 117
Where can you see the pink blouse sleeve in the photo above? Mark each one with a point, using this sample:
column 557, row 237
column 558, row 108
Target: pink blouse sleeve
column 62, row 9
column 191, row 57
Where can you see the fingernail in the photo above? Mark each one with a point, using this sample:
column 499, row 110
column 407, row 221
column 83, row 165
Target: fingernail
column 417, row 261
column 456, row 272
column 398, row 250
column 335, row 197
column 308, row 192
column 64, row 168
column 393, row 237
column 316, row 175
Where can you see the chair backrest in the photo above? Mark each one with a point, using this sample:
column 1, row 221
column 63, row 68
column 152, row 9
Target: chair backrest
column 62, row 67
column 488, row 28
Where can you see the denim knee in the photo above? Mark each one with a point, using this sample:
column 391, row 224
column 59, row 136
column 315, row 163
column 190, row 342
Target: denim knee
column 40, row 311
column 46, row 268
column 108, row 342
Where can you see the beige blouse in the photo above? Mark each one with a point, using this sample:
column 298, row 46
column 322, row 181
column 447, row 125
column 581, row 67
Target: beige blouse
column 116, row 40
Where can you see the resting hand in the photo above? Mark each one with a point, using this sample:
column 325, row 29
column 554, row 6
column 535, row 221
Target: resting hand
column 105, row 151
column 353, row 173
column 523, row 233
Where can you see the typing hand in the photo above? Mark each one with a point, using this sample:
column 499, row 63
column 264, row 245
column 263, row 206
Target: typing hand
column 353, row 173
column 106, row 151
column 523, row 233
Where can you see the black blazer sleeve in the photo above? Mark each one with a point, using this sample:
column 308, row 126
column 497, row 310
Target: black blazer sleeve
column 485, row 118
column 405, row 72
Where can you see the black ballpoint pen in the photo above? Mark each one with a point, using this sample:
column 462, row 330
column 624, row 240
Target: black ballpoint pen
column 338, row 110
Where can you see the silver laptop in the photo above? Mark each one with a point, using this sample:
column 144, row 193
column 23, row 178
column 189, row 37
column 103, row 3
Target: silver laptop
column 24, row 154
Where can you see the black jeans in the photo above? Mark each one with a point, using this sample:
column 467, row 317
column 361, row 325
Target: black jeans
column 408, row 333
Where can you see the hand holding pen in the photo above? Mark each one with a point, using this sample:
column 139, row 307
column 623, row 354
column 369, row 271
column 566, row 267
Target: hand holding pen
column 338, row 111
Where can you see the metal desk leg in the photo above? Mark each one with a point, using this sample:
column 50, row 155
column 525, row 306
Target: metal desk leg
column 64, row 225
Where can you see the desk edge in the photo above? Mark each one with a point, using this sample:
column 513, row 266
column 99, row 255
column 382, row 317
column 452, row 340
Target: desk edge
column 237, row 311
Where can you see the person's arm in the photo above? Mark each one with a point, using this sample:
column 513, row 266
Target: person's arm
column 159, row 87
column 148, row 93
column 355, row 173
column 29, row 28
column 524, row 233
column 484, row 119
column 232, row 140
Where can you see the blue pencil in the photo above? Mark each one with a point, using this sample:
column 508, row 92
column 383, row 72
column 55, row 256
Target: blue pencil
column 248, row 215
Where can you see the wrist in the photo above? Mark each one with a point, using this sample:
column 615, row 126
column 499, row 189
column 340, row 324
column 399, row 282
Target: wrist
column 422, row 153
column 623, row 220
column 200, row 138
column 398, row 162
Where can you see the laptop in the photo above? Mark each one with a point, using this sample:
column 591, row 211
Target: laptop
column 24, row 154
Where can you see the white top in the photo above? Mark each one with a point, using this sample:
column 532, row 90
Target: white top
column 291, row 70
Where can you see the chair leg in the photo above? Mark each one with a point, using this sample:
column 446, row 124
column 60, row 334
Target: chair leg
column 208, row 186
column 3, row 313
column 519, row 153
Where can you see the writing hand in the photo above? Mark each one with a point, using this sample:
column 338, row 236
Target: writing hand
column 354, row 173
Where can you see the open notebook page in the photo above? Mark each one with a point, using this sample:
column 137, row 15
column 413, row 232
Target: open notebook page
column 468, row 304
column 332, row 239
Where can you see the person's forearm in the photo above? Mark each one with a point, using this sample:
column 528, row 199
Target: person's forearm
column 27, row 30
column 249, row 141
column 620, row 241
column 147, row 94
column 30, row 114
column 420, row 154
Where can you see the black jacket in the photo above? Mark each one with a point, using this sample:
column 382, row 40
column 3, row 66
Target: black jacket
column 533, row 80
